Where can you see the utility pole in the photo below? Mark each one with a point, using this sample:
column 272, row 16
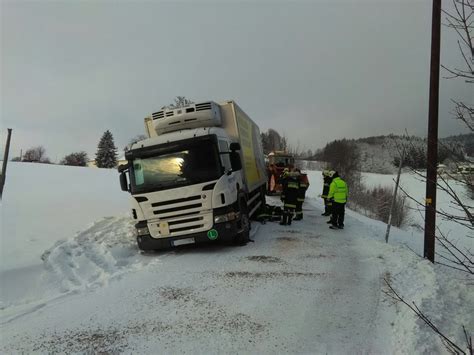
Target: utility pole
column 432, row 158
column 5, row 161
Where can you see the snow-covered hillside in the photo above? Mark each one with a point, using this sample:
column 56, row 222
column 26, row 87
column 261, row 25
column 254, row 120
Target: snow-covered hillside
column 84, row 288
column 377, row 154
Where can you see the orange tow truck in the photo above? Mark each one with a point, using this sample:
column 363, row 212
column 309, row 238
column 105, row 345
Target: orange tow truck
column 277, row 161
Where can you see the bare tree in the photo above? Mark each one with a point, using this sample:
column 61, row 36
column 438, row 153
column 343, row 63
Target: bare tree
column 343, row 156
column 179, row 101
column 461, row 20
column 460, row 212
column 296, row 151
column 272, row 141
column 450, row 345
column 36, row 155
column 75, row 159
column 284, row 143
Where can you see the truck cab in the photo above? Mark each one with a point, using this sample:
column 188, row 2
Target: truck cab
column 187, row 181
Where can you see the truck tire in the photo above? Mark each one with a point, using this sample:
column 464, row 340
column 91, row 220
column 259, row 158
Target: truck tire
column 243, row 236
column 142, row 248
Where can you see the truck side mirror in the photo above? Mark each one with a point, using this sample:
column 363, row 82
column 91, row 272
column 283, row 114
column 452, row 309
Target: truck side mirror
column 235, row 161
column 123, row 181
column 234, row 146
column 123, row 167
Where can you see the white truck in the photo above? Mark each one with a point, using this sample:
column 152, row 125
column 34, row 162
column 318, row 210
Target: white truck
column 199, row 177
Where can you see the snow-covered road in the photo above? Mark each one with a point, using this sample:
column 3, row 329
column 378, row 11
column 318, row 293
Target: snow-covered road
column 298, row 289
column 303, row 288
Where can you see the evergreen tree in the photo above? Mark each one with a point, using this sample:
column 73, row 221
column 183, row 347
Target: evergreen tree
column 106, row 156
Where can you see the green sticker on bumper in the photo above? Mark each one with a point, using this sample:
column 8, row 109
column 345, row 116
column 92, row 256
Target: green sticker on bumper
column 212, row 234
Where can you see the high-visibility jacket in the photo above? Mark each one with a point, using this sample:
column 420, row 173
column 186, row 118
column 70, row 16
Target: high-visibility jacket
column 338, row 190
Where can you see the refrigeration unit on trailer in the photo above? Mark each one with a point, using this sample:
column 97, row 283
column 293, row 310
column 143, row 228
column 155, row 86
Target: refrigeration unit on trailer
column 199, row 177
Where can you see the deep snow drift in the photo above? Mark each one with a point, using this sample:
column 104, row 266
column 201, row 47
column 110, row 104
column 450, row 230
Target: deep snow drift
column 45, row 203
column 303, row 288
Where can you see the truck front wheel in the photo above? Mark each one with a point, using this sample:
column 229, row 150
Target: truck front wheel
column 243, row 235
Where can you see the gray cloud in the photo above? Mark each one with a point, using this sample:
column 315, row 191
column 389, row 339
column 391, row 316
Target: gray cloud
column 315, row 71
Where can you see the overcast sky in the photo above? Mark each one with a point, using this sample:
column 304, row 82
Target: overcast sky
column 314, row 71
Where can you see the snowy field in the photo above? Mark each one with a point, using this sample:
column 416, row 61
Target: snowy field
column 72, row 279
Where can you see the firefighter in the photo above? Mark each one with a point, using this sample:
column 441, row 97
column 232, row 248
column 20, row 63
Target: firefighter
column 338, row 195
column 303, row 186
column 269, row 213
column 324, row 195
column 289, row 196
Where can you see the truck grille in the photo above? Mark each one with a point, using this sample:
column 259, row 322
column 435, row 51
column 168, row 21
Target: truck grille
column 177, row 209
column 203, row 106
column 182, row 214
column 172, row 202
column 158, row 115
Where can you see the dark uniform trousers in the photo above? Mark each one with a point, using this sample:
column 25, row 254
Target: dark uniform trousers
column 327, row 202
column 300, row 200
column 337, row 218
column 290, row 198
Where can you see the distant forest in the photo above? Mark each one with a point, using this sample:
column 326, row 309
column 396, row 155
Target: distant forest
column 381, row 154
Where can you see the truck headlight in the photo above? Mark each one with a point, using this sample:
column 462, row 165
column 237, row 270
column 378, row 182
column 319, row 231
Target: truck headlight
column 225, row 217
column 143, row 231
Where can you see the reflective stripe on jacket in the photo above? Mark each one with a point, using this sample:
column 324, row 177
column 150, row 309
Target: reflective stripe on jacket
column 304, row 182
column 338, row 190
column 292, row 185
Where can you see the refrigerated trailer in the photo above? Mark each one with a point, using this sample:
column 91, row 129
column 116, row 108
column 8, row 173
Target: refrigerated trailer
column 199, row 177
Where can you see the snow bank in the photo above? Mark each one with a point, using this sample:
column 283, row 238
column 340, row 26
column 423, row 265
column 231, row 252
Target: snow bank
column 45, row 203
column 444, row 295
column 105, row 250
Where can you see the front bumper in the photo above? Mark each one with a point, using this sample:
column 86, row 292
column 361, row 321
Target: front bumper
column 225, row 233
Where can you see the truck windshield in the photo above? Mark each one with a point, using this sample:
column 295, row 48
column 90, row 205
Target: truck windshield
column 192, row 164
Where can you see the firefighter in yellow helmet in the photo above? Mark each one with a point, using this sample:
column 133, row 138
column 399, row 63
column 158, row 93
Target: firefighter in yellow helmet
column 303, row 186
column 324, row 195
column 289, row 196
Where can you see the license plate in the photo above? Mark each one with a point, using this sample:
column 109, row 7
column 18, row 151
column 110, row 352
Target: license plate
column 183, row 241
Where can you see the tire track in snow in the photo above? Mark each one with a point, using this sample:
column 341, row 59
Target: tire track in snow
column 93, row 257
